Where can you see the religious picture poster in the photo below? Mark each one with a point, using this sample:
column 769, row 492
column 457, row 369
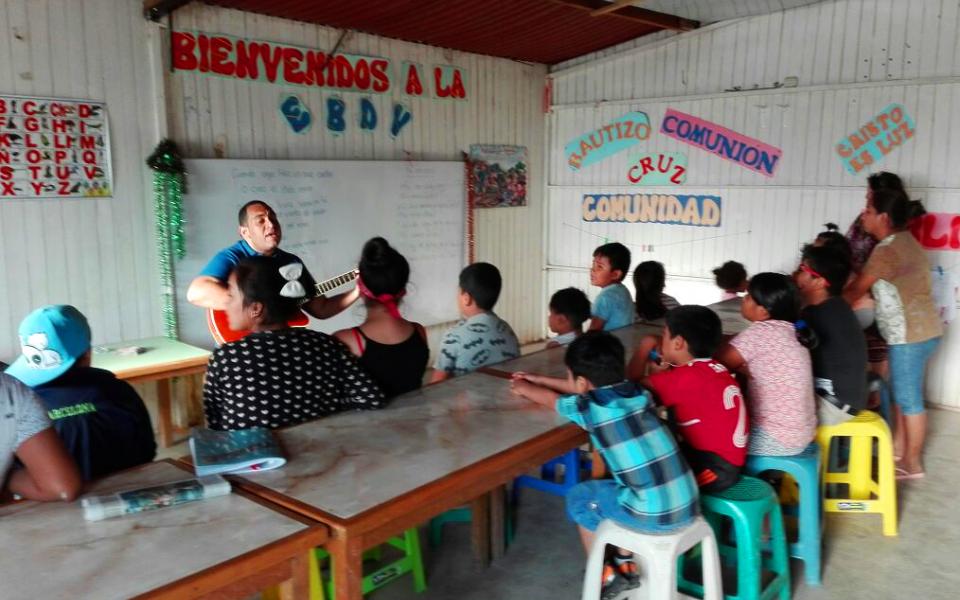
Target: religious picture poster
column 498, row 175
column 54, row 148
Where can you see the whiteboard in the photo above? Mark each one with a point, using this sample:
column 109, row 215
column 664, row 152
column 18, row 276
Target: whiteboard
column 327, row 210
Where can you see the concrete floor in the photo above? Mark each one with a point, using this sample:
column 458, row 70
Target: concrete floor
column 546, row 560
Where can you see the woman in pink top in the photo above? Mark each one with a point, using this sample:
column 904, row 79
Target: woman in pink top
column 772, row 353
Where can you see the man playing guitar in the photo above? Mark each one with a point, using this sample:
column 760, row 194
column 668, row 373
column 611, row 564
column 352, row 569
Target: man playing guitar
column 261, row 234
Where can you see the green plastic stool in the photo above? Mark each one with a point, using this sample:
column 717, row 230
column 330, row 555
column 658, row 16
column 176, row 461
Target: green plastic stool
column 412, row 562
column 747, row 504
column 464, row 515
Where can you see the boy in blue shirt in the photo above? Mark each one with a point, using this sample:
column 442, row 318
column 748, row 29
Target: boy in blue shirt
column 102, row 420
column 652, row 489
column 481, row 338
column 613, row 308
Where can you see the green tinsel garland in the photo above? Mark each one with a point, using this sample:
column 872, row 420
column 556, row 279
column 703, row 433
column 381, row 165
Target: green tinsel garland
column 168, row 189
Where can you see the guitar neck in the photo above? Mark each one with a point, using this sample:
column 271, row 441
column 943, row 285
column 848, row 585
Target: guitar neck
column 333, row 283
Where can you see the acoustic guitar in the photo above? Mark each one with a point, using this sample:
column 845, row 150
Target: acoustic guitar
column 219, row 325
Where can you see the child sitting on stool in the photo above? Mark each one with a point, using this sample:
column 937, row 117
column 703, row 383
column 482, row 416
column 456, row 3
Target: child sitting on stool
column 653, row 489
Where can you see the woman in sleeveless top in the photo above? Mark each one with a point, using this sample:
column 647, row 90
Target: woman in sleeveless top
column 391, row 349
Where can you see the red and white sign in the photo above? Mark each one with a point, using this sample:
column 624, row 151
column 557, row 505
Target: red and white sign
column 54, row 148
column 937, row 231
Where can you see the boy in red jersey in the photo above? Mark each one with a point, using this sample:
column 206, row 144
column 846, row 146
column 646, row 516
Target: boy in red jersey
column 706, row 401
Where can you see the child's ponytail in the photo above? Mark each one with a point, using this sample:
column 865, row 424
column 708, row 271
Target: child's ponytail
column 778, row 294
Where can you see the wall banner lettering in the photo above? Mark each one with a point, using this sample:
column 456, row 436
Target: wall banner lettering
column 658, row 168
column 54, row 148
column 875, row 139
column 629, row 130
column 285, row 64
column 937, row 231
column 727, row 144
column 669, row 209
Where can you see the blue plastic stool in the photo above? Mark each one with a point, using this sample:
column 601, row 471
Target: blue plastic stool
column 464, row 515
column 804, row 468
column 547, row 480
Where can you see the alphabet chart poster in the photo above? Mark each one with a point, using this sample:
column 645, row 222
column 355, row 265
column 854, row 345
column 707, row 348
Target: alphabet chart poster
column 54, row 148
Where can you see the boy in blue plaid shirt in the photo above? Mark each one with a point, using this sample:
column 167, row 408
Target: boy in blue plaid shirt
column 652, row 489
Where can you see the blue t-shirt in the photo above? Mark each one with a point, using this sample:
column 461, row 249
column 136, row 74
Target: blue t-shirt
column 483, row 339
column 220, row 265
column 615, row 306
column 655, row 483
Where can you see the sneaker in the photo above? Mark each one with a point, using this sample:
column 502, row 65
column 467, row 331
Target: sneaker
column 619, row 584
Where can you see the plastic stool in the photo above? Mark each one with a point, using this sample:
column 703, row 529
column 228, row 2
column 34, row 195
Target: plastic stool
column 865, row 495
column 463, row 514
column 804, row 469
column 748, row 504
column 658, row 553
column 412, row 562
column 547, row 481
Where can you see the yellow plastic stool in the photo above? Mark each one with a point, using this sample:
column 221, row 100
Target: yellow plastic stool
column 866, row 495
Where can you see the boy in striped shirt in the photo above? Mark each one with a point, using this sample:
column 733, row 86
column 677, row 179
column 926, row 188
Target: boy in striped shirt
column 652, row 489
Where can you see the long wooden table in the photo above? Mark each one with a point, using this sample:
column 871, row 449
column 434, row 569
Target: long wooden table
column 370, row 475
column 228, row 547
column 163, row 360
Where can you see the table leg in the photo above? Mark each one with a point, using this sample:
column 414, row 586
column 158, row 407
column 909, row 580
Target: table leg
column 498, row 516
column 298, row 586
column 346, row 556
column 164, row 413
column 480, row 528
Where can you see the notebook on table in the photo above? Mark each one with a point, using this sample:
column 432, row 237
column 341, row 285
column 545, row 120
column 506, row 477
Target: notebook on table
column 238, row 451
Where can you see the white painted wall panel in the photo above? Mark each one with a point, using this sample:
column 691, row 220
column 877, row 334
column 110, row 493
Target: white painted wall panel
column 97, row 254
column 504, row 106
column 852, row 58
column 830, row 42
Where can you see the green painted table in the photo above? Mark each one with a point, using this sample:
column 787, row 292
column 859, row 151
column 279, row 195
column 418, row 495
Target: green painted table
column 163, row 360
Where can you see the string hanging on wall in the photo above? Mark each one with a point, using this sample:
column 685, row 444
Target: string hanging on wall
column 168, row 187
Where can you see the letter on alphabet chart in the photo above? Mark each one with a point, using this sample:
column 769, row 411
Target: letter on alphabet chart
column 589, row 214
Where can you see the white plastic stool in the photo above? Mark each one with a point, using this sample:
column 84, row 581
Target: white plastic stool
column 659, row 552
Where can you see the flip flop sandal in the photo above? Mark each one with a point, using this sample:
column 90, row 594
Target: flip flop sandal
column 903, row 474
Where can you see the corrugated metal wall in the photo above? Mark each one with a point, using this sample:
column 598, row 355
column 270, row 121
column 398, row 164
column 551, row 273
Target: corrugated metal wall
column 852, row 59
column 219, row 117
column 97, row 254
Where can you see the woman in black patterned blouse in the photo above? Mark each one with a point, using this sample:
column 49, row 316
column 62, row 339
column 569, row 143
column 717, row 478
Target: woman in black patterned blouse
column 278, row 375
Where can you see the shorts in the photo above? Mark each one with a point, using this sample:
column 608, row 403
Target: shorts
column 713, row 472
column 590, row 502
column 908, row 365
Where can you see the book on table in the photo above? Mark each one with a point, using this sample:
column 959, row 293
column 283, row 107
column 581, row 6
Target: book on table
column 238, row 451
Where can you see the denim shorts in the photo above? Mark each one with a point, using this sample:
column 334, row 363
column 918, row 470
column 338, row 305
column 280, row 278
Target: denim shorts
column 590, row 502
column 908, row 365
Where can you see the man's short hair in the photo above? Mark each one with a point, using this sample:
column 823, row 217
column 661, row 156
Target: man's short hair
column 482, row 281
column 571, row 303
column 699, row 326
column 242, row 213
column 617, row 254
column 831, row 264
column 598, row 357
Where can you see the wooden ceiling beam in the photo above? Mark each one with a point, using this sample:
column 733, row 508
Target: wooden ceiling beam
column 157, row 9
column 614, row 6
column 635, row 14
